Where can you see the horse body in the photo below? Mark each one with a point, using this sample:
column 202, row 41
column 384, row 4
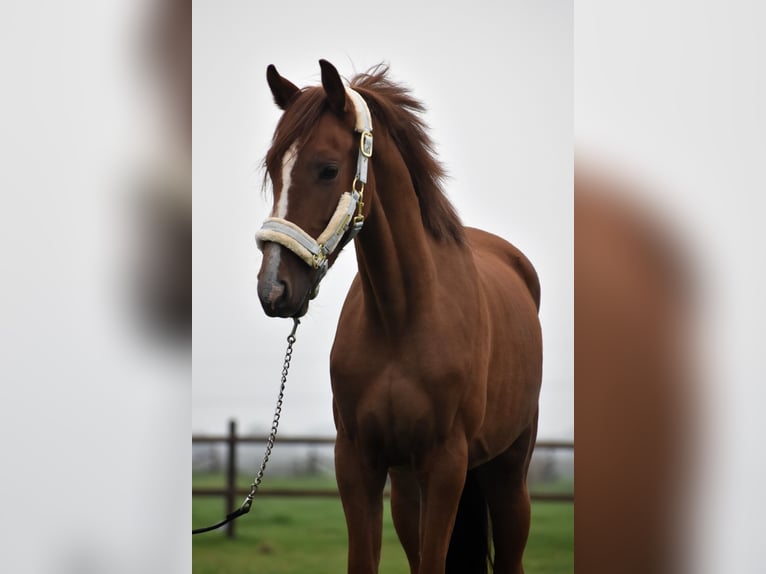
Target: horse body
column 436, row 364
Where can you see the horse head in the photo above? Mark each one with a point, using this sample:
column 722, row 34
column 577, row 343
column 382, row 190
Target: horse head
column 317, row 164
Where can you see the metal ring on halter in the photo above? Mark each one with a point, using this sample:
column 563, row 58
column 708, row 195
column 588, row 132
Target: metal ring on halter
column 360, row 191
column 320, row 258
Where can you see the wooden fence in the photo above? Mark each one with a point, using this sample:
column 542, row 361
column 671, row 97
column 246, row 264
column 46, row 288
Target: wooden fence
column 233, row 495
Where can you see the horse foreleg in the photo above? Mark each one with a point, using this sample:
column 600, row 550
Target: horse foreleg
column 360, row 483
column 442, row 477
column 405, row 510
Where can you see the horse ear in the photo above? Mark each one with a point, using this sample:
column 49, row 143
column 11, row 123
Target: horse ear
column 333, row 86
column 283, row 90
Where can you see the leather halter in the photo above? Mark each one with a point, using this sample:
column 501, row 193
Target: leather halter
column 343, row 225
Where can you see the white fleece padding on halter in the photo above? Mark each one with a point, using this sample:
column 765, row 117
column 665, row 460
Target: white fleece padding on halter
column 312, row 251
column 286, row 233
column 361, row 110
column 363, row 126
column 338, row 222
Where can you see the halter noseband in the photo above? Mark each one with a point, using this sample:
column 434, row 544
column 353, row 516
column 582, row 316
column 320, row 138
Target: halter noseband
column 315, row 252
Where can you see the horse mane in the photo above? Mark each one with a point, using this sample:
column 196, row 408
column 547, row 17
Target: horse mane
column 396, row 108
column 393, row 106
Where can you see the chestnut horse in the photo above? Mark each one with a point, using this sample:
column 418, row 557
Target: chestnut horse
column 437, row 359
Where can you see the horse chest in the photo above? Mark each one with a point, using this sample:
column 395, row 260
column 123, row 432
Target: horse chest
column 398, row 407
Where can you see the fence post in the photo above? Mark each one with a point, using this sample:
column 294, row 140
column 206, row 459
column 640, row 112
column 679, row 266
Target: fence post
column 231, row 474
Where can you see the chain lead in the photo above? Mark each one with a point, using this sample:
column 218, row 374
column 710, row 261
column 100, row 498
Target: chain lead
column 245, row 508
column 277, row 414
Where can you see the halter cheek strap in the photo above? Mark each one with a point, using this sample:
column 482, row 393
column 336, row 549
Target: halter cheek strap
column 343, row 225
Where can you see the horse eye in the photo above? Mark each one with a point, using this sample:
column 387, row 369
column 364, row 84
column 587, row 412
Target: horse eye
column 328, row 172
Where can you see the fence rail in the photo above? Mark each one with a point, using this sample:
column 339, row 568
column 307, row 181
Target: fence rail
column 231, row 493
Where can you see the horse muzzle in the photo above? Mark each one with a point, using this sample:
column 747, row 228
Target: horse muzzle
column 281, row 289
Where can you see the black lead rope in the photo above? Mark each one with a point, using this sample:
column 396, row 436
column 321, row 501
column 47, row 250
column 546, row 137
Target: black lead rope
column 248, row 502
column 244, row 509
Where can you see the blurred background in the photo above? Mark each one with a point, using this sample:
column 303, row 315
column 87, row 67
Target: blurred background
column 95, row 308
column 669, row 127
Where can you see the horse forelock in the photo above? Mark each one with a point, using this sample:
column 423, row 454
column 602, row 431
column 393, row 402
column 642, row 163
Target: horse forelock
column 296, row 124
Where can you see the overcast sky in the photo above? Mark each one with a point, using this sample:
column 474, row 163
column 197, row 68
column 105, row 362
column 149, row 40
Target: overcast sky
column 497, row 83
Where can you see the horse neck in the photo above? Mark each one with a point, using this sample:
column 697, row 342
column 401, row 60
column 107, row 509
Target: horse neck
column 396, row 267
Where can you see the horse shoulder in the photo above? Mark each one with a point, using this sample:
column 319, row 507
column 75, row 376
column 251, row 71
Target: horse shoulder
column 488, row 244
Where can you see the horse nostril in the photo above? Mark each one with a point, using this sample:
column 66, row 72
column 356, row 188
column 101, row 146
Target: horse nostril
column 275, row 297
column 278, row 295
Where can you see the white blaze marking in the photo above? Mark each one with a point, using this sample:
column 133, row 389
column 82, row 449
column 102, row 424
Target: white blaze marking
column 288, row 162
column 272, row 253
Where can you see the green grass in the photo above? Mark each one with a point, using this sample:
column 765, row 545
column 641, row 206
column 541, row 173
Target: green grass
column 550, row 548
column 308, row 535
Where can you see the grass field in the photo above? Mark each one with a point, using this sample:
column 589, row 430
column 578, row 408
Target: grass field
column 308, row 535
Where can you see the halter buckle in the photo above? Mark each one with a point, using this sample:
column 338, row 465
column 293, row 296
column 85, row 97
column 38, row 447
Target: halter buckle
column 365, row 143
